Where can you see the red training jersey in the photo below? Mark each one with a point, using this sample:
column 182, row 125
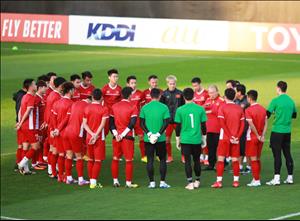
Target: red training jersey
column 61, row 113
column 137, row 98
column 111, row 95
column 31, row 122
column 40, row 103
column 200, row 97
column 257, row 114
column 233, row 116
column 212, row 107
column 51, row 99
column 94, row 113
column 122, row 112
column 147, row 96
column 85, row 92
column 48, row 91
column 76, row 95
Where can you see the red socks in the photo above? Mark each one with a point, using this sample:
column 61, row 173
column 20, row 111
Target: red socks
column 169, row 149
column 129, row 170
column 255, row 169
column 61, row 165
column 90, row 168
column 68, row 167
column 236, row 168
column 115, row 169
column 220, row 168
column 30, row 153
column 53, row 164
column 142, row 148
column 96, row 170
column 49, row 157
column 19, row 155
column 205, row 150
column 79, row 167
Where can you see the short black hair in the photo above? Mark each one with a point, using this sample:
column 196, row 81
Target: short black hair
column 27, row 82
column 241, row 88
column 232, row 82
column 59, row 81
column 282, row 85
column 41, row 83
column 74, row 77
column 153, row 76
column 112, row 71
column 253, row 95
column 230, row 94
column 196, row 80
column 132, row 77
column 43, row 78
column 126, row 92
column 188, row 94
column 86, row 74
column 155, row 93
column 97, row 94
column 51, row 74
column 67, row 87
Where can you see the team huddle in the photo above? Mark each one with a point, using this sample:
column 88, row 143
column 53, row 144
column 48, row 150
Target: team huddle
column 59, row 121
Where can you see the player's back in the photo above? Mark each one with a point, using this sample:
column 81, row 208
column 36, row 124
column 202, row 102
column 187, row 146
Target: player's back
column 61, row 108
column 122, row 112
column 257, row 114
column 51, row 99
column 94, row 113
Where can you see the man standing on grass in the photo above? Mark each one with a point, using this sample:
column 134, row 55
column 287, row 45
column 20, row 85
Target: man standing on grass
column 284, row 109
column 155, row 118
column 191, row 135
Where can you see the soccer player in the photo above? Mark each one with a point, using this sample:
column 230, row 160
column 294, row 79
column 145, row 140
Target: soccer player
column 190, row 136
column 232, row 123
column 284, row 109
column 241, row 99
column 76, row 80
column 122, row 121
column 60, row 117
column 86, row 87
column 136, row 99
column 95, row 117
column 51, row 87
column 73, row 140
column 155, row 118
column 212, row 105
column 200, row 96
column 28, row 125
column 17, row 97
column 256, row 117
column 153, row 83
column 111, row 92
column 54, row 96
column 172, row 97
column 40, row 102
column 231, row 84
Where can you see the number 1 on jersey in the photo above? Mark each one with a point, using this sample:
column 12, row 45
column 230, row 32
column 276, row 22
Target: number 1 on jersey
column 192, row 120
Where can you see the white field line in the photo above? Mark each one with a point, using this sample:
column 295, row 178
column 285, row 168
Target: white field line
column 161, row 55
column 9, row 218
column 286, row 216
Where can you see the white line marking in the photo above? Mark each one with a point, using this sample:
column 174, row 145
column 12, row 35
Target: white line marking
column 9, row 218
column 286, row 216
column 160, row 55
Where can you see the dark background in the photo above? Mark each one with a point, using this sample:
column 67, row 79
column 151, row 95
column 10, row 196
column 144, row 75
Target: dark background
column 254, row 11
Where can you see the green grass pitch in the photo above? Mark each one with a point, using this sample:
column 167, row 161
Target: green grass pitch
column 38, row 197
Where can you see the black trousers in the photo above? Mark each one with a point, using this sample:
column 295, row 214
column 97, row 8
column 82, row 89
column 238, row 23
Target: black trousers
column 243, row 140
column 160, row 150
column 212, row 144
column 281, row 142
column 191, row 150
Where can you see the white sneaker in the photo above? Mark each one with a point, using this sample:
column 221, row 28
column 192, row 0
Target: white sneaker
column 254, row 183
column 152, row 185
column 289, row 181
column 197, row 184
column 273, row 183
column 164, row 186
column 190, row 186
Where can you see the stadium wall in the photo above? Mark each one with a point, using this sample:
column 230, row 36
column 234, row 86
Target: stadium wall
column 151, row 33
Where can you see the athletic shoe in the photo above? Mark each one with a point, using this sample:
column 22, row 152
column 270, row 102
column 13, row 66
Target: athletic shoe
column 152, row 185
column 61, row 179
column 190, row 186
column 201, row 161
column 96, row 186
column 236, row 184
column 289, row 181
column 144, row 159
column 39, row 167
column 170, row 160
column 133, row 186
column 273, row 183
column 164, row 186
column 157, row 158
column 69, row 182
column 197, row 184
column 83, row 183
column 246, row 171
column 217, row 185
column 254, row 183
column 205, row 162
column 116, row 185
column 52, row 176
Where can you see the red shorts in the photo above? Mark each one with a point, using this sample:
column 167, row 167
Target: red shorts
column 19, row 137
column 123, row 148
column 97, row 150
column 73, row 143
column 50, row 139
column 106, row 128
column 137, row 128
column 29, row 136
column 227, row 149
column 43, row 135
column 59, row 144
column 254, row 148
column 170, row 129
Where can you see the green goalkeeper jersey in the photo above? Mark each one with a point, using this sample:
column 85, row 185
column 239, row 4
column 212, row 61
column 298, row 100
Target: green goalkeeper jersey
column 154, row 114
column 190, row 116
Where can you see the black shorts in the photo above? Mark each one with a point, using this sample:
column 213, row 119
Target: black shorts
column 160, row 149
column 191, row 149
